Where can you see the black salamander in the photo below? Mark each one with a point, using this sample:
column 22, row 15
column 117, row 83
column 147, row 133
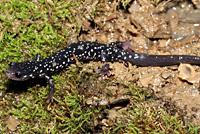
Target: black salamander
column 85, row 50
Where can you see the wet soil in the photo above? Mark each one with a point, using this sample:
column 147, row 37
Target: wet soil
column 169, row 27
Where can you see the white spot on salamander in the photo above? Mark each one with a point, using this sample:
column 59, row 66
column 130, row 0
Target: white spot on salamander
column 180, row 57
column 142, row 56
column 80, row 47
column 136, row 56
column 54, row 64
column 68, row 60
column 103, row 59
column 36, row 68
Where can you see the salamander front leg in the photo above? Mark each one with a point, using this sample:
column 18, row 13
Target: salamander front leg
column 51, row 88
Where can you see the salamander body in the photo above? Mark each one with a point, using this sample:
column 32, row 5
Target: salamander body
column 85, row 50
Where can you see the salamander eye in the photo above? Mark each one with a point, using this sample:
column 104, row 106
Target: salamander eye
column 18, row 74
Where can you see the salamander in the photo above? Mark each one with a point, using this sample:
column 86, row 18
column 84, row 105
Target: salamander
column 86, row 50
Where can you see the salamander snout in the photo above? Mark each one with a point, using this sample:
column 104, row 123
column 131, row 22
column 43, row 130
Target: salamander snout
column 14, row 74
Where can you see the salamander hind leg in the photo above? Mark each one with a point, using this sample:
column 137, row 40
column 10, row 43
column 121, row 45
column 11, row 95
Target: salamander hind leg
column 104, row 71
column 122, row 45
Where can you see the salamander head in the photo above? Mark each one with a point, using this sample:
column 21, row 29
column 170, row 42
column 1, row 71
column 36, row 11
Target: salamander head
column 19, row 71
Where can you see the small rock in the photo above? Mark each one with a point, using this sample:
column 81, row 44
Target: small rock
column 12, row 123
column 165, row 74
column 188, row 73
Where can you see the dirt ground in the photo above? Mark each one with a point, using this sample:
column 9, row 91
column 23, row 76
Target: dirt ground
column 163, row 28
column 172, row 27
